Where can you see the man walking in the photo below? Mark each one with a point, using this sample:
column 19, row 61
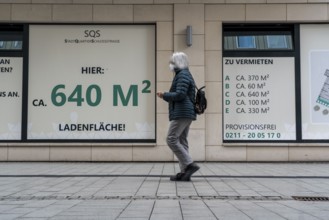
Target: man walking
column 181, row 114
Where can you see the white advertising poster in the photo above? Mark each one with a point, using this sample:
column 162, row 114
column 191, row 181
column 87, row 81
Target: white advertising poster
column 315, row 81
column 11, row 77
column 259, row 98
column 92, row 82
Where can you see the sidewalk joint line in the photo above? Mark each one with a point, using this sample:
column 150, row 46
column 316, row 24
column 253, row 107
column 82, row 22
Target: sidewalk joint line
column 77, row 197
column 160, row 176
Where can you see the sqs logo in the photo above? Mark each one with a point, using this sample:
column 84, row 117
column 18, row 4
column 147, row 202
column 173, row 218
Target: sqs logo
column 92, row 33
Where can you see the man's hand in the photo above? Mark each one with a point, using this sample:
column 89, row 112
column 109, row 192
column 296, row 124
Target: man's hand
column 160, row 94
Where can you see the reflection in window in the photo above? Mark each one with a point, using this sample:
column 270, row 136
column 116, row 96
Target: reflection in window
column 11, row 45
column 258, row 37
column 276, row 41
column 17, row 45
column 246, row 42
column 258, row 42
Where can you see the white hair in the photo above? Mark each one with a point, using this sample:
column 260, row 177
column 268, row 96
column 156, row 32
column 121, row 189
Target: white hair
column 179, row 60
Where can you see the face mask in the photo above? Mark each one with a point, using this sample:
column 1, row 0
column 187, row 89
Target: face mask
column 171, row 67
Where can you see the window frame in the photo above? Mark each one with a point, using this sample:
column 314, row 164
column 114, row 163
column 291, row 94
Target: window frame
column 230, row 29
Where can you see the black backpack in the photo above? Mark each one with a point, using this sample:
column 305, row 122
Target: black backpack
column 200, row 102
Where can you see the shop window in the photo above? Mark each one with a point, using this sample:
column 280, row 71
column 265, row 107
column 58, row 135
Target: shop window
column 12, row 82
column 259, row 78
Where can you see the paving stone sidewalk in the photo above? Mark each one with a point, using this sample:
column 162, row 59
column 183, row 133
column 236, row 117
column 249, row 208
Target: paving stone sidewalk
column 143, row 191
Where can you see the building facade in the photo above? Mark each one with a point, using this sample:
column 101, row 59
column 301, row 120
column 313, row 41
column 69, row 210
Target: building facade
column 170, row 18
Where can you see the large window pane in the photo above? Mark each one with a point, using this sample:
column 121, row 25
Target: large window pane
column 246, row 42
column 277, row 41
